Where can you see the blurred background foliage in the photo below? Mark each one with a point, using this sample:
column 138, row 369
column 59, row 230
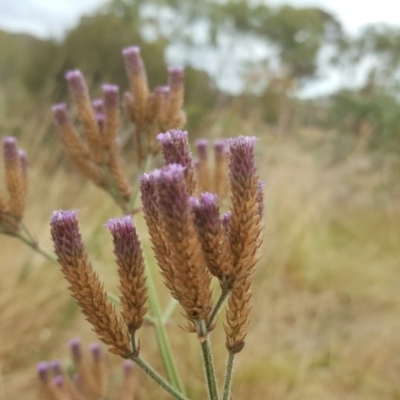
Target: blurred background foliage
column 293, row 39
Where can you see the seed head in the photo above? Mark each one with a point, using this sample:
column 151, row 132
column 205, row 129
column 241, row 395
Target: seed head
column 128, row 252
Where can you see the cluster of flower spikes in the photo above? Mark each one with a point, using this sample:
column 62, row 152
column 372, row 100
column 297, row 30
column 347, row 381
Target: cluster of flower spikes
column 96, row 153
column 89, row 380
column 16, row 180
column 191, row 241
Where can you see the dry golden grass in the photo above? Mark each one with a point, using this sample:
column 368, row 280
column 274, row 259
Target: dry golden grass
column 326, row 312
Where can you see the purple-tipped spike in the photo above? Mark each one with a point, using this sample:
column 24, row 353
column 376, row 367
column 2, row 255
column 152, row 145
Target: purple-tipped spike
column 202, row 146
column 100, row 118
column 219, row 148
column 163, row 91
column 66, row 236
column 111, row 95
column 60, row 113
column 175, row 147
column 76, row 349
column 226, row 218
column 98, row 106
column 148, row 193
column 58, row 381
column 43, row 371
column 10, row 148
column 172, row 192
column 24, row 159
column 76, row 81
column 77, row 380
column 133, row 60
column 206, row 212
column 242, row 164
column 95, row 349
column 128, row 367
column 126, row 241
column 56, row 367
column 175, row 76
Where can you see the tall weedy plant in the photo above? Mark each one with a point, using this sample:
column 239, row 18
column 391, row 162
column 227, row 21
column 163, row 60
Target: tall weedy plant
column 192, row 241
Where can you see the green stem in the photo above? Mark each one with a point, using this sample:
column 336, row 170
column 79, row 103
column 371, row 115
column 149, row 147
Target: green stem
column 153, row 374
column 169, row 310
column 217, row 308
column 35, row 246
column 207, row 360
column 228, row 377
column 161, row 334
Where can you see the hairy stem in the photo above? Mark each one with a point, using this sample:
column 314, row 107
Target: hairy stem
column 207, row 360
column 153, row 374
column 161, row 334
column 35, row 246
column 228, row 377
column 217, row 308
column 169, row 310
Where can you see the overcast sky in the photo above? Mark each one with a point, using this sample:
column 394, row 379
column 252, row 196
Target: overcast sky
column 51, row 17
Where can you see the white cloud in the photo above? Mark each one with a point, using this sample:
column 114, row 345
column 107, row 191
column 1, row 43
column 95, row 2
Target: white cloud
column 43, row 18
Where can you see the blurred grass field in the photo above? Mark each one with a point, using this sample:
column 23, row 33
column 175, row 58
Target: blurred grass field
column 326, row 312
